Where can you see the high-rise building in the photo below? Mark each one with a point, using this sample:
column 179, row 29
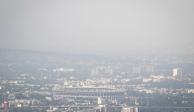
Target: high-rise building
column 5, row 106
column 99, row 101
column 176, row 72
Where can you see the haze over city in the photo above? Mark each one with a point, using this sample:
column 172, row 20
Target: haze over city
column 98, row 26
column 96, row 56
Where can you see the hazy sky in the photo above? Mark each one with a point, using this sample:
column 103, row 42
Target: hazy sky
column 98, row 26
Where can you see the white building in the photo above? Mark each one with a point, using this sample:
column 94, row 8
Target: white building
column 176, row 72
column 129, row 109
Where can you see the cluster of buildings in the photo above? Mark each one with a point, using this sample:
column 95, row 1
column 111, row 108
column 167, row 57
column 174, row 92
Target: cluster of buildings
column 96, row 85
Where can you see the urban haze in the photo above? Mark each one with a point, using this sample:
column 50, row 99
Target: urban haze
column 96, row 56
